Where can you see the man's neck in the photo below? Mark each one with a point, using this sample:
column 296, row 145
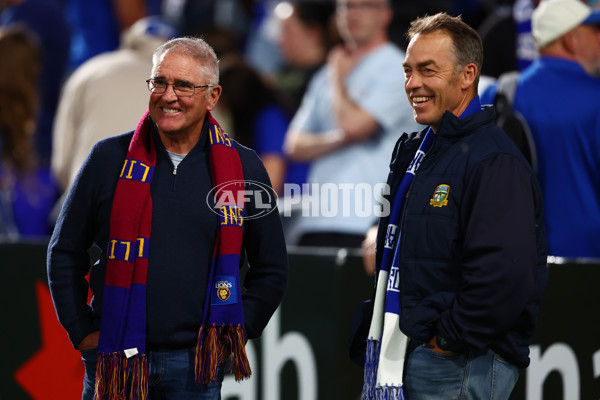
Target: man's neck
column 359, row 50
column 556, row 50
column 179, row 143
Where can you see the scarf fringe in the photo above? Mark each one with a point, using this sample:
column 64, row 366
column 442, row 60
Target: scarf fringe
column 371, row 363
column 114, row 371
column 215, row 346
column 389, row 393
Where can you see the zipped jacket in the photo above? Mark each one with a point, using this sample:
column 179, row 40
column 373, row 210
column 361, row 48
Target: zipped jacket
column 184, row 228
column 472, row 242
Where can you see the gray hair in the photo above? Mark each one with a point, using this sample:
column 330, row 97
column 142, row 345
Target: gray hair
column 195, row 48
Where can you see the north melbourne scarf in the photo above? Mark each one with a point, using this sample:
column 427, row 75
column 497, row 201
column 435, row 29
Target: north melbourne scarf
column 122, row 357
column 386, row 343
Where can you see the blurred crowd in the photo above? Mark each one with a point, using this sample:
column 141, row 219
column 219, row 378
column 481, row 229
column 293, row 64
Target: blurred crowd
column 74, row 72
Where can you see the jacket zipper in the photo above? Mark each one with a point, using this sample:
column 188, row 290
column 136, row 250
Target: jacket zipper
column 173, row 180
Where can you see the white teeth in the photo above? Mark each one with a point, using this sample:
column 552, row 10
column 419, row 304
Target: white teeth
column 170, row 110
column 420, row 99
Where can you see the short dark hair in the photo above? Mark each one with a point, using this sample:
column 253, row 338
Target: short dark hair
column 467, row 45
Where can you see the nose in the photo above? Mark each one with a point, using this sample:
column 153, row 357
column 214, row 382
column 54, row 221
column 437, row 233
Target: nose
column 412, row 81
column 169, row 93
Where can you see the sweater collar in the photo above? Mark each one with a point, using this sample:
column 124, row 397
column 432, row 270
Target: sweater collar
column 202, row 145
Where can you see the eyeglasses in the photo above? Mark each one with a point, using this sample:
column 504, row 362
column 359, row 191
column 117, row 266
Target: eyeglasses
column 182, row 89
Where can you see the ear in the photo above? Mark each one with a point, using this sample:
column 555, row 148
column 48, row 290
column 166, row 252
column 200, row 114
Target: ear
column 213, row 97
column 469, row 74
column 567, row 41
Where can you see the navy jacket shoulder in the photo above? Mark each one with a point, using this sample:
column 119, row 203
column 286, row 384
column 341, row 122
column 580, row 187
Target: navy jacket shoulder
column 473, row 255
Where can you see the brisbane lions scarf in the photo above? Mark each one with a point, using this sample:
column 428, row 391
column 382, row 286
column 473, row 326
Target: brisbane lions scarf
column 122, row 359
column 386, row 343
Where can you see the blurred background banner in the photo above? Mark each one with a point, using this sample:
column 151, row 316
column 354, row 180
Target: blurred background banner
column 303, row 351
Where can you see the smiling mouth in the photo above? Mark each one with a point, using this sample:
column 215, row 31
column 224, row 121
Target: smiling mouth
column 419, row 100
column 170, row 110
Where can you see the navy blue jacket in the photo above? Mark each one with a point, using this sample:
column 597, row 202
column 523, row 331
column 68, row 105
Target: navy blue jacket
column 472, row 246
column 183, row 236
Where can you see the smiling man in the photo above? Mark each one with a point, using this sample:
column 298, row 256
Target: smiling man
column 168, row 311
column 462, row 256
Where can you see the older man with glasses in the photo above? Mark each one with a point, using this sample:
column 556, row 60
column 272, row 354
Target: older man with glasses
column 167, row 205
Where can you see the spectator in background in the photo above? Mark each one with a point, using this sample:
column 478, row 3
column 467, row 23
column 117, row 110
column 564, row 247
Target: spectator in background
column 352, row 114
column 97, row 25
column 109, row 84
column 45, row 19
column 189, row 16
column 193, row 16
column 224, row 40
column 258, row 119
column 507, row 38
column 307, row 35
column 27, row 192
column 260, row 47
column 558, row 96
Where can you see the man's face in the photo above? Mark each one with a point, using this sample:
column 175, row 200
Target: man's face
column 178, row 115
column 588, row 48
column 360, row 21
column 432, row 83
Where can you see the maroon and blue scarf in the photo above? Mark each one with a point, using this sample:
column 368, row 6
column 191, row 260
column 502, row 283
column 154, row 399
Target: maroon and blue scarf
column 122, row 357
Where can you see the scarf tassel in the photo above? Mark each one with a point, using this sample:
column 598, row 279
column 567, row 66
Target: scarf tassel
column 389, row 393
column 371, row 362
column 114, row 371
column 215, row 345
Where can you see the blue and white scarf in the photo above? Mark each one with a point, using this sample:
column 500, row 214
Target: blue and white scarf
column 386, row 344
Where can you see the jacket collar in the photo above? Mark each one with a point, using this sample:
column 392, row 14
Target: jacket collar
column 452, row 126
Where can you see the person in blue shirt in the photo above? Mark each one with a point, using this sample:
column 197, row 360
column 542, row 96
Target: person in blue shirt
column 27, row 189
column 558, row 96
column 47, row 22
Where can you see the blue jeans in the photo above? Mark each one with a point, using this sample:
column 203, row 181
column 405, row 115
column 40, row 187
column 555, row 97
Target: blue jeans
column 171, row 377
column 430, row 375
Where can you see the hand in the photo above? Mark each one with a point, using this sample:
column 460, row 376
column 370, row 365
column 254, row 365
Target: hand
column 340, row 63
column 368, row 251
column 89, row 342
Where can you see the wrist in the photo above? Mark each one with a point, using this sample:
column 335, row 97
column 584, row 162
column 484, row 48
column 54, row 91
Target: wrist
column 336, row 136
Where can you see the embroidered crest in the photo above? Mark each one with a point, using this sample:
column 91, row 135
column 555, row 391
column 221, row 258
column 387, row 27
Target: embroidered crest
column 223, row 292
column 440, row 196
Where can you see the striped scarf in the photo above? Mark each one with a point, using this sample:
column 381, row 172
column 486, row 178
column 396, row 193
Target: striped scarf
column 122, row 357
column 386, row 343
